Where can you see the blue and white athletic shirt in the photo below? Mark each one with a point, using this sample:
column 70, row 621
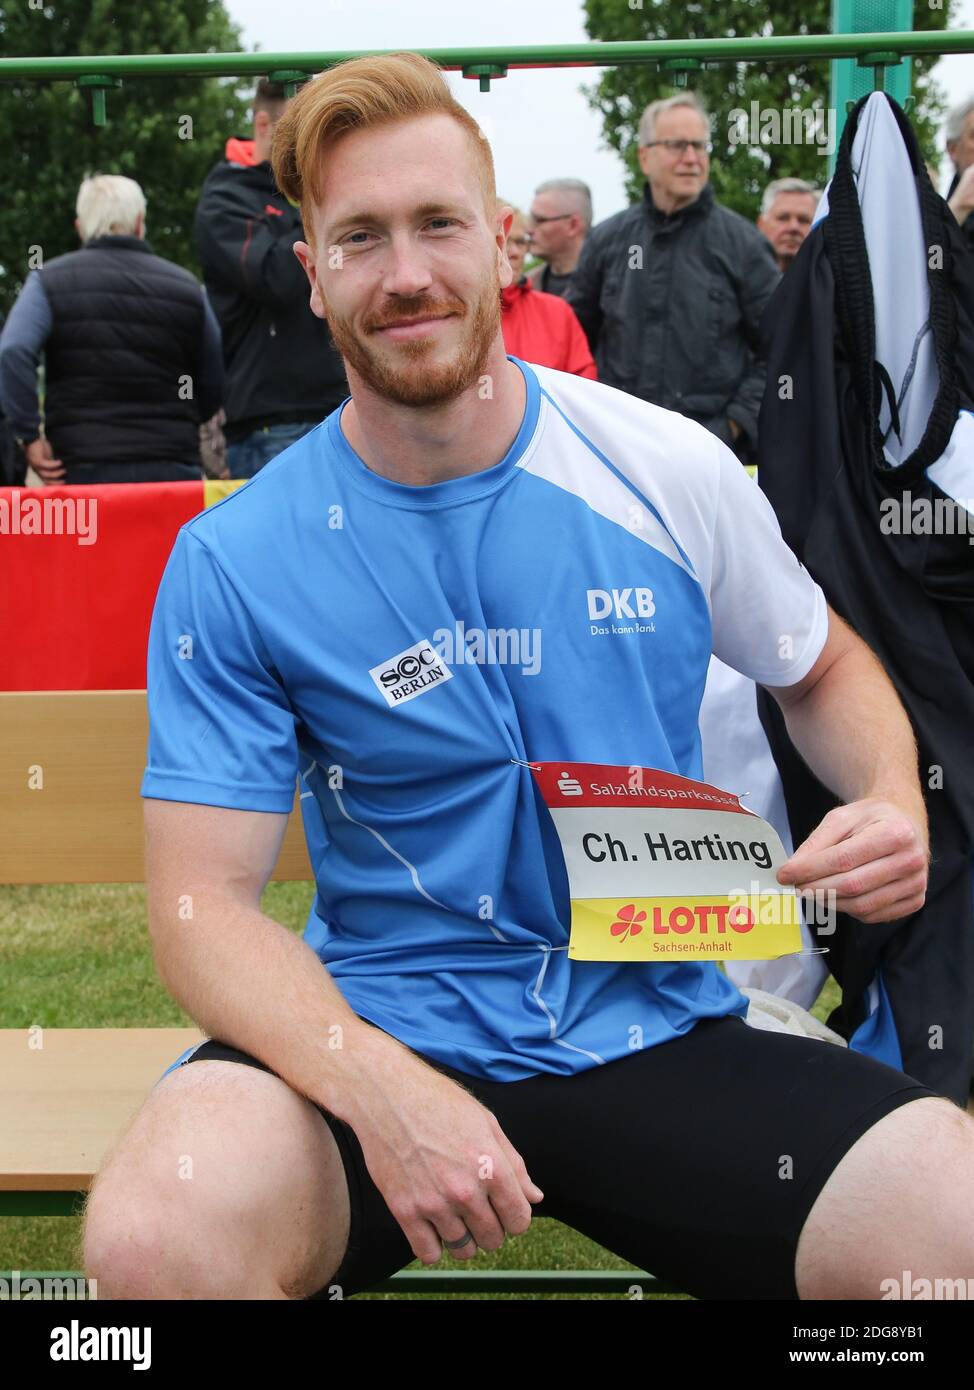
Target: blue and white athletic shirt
column 405, row 650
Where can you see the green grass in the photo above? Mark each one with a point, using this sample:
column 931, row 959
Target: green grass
column 78, row 956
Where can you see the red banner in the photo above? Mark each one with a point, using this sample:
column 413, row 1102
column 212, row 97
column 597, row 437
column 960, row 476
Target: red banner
column 79, row 569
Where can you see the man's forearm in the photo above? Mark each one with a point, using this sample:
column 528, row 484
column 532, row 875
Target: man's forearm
column 853, row 732
column 250, row 982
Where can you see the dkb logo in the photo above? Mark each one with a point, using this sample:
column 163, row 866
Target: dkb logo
column 603, row 603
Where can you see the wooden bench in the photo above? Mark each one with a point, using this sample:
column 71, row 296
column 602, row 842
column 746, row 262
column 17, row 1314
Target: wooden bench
column 70, row 768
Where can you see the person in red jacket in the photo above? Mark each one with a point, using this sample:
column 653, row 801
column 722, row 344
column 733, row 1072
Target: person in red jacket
column 539, row 327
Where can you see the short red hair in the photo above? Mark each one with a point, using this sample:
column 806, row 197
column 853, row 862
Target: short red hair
column 356, row 95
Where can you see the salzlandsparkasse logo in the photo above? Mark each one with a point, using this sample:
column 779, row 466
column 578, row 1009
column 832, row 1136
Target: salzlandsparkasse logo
column 418, row 669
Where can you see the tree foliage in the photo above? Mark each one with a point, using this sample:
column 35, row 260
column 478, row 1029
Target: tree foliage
column 50, row 143
column 739, row 172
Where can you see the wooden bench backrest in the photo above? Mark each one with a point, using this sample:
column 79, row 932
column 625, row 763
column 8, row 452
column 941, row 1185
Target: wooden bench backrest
column 71, row 763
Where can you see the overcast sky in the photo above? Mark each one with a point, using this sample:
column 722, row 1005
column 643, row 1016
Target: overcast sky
column 538, row 122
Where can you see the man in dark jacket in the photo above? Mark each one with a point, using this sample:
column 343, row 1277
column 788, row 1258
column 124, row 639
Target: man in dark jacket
column 283, row 373
column 559, row 221
column 670, row 291
column 131, row 348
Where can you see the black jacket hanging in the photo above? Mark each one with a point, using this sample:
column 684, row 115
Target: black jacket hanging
column 910, row 596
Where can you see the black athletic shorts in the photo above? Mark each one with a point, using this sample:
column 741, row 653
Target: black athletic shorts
column 697, row 1160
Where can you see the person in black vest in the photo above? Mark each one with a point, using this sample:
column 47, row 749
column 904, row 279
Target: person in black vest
column 133, row 360
column 283, row 372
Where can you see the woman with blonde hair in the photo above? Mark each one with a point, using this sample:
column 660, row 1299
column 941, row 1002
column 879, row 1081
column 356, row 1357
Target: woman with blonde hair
column 539, row 327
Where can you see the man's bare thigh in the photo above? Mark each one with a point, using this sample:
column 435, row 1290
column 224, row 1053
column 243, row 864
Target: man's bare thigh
column 901, row 1198
column 226, row 1174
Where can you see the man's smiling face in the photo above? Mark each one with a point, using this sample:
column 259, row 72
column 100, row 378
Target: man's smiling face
column 407, row 267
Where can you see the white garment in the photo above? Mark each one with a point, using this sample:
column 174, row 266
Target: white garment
column 737, row 758
column 776, row 1015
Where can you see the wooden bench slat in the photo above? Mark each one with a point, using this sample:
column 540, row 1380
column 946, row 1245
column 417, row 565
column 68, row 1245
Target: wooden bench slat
column 84, row 825
column 65, row 1104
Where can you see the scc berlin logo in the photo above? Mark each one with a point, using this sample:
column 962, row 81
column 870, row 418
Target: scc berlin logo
column 410, row 673
column 409, row 666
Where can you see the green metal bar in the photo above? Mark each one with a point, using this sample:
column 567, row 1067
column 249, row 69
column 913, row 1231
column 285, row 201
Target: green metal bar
column 41, row 1203
column 519, row 1281
column 485, row 73
column 291, row 78
column 516, row 1281
column 523, row 1281
column 680, row 68
column 522, row 56
column 891, row 73
column 879, row 62
column 98, row 84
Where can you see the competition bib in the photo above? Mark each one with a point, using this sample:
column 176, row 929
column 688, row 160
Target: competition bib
column 664, row 868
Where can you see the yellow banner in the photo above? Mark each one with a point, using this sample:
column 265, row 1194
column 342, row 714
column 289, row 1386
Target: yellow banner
column 215, row 489
column 760, row 926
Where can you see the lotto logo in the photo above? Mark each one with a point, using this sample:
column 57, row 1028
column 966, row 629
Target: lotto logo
column 604, row 603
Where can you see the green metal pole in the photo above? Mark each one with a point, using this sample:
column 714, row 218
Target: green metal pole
column 526, row 56
column 879, row 69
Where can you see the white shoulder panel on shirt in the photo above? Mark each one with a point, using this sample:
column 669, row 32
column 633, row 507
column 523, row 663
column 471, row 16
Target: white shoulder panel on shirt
column 668, row 460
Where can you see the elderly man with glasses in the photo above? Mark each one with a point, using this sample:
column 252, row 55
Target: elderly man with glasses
column 671, row 291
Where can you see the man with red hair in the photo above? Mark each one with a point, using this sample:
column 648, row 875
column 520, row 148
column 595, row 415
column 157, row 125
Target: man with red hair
column 428, row 1067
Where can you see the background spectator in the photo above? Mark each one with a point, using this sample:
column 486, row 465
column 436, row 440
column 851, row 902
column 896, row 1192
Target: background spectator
column 132, row 353
column 13, row 465
column 213, row 446
column 560, row 220
column 960, row 147
column 283, row 373
column 787, row 212
column 671, row 291
column 539, row 327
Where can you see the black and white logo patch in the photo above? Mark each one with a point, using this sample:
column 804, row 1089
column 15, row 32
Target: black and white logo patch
column 418, row 669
